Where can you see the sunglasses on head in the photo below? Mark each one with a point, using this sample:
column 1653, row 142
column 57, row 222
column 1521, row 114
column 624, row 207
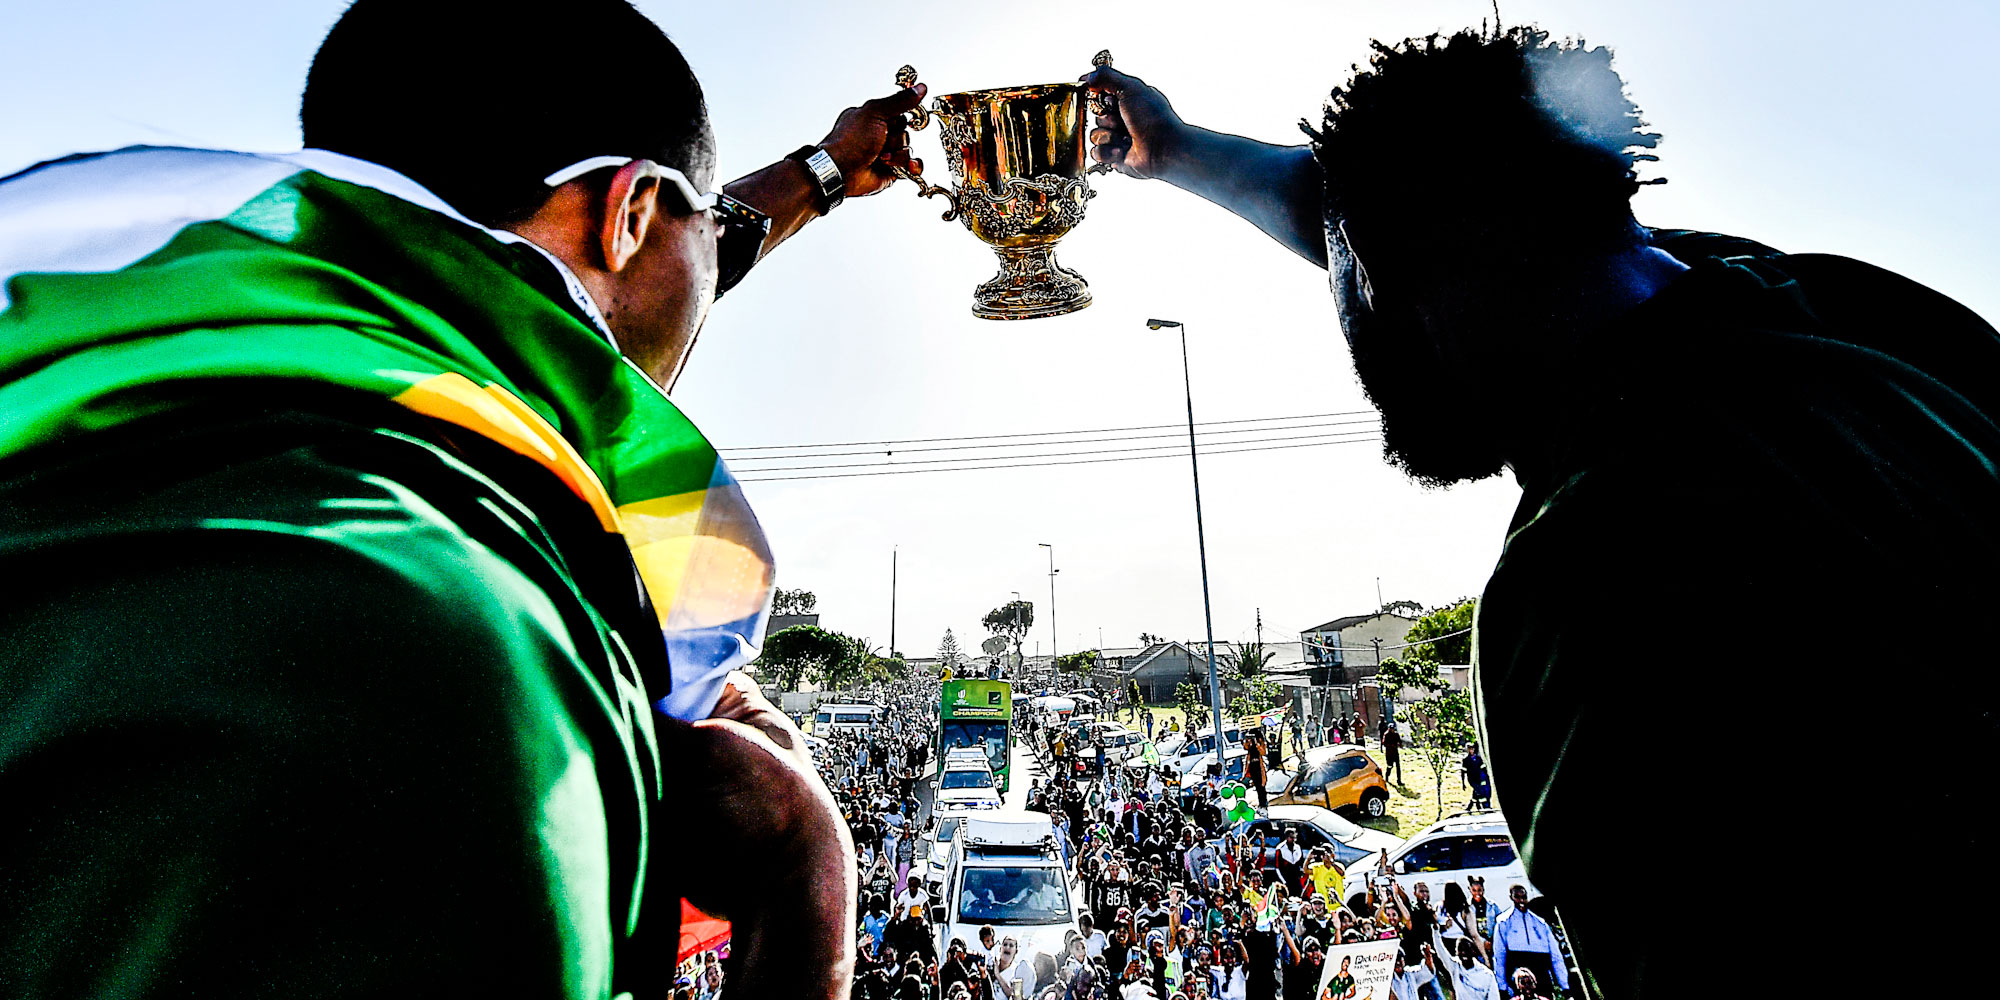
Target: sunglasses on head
column 739, row 229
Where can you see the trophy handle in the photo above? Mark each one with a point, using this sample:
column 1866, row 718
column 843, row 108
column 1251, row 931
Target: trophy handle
column 1101, row 105
column 919, row 120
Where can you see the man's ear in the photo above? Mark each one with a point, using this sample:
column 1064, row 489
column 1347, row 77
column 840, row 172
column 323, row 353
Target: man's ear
column 631, row 207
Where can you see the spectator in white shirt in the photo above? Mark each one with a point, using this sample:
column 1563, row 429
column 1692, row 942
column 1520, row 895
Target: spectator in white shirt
column 1407, row 980
column 1471, row 979
column 1093, row 939
column 1013, row 975
column 1291, row 859
column 912, row 903
column 1522, row 940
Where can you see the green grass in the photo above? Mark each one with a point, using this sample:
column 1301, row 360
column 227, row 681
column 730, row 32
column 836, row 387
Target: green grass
column 1413, row 801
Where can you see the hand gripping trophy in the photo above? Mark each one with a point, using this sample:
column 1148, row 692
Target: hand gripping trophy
column 1018, row 155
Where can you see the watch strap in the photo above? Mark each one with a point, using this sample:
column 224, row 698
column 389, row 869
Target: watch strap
column 832, row 186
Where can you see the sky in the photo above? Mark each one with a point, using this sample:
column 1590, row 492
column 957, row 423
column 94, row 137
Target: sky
column 1829, row 126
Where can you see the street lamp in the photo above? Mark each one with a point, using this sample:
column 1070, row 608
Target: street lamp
column 1201, row 544
column 1052, row 602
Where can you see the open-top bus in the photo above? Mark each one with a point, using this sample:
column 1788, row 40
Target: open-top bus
column 978, row 713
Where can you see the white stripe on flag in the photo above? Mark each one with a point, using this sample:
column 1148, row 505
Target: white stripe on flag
column 107, row 212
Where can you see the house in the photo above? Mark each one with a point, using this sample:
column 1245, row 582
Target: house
column 1346, row 650
column 779, row 623
column 1160, row 668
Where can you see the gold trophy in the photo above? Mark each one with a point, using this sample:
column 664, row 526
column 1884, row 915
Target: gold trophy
column 1019, row 155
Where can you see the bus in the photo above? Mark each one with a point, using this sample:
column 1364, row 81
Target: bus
column 978, row 713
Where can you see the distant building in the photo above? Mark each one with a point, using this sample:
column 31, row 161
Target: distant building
column 779, row 623
column 1347, row 650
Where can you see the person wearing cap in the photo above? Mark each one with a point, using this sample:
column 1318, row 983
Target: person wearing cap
column 1304, row 961
column 958, row 967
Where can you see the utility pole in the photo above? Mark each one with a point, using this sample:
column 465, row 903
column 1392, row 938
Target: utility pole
column 892, row 601
column 1052, row 601
column 1378, row 594
column 1201, row 546
column 1260, row 628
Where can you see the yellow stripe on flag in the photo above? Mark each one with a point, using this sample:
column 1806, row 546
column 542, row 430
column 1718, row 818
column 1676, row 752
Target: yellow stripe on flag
column 494, row 413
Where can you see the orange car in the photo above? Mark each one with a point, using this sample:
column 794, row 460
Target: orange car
column 1340, row 778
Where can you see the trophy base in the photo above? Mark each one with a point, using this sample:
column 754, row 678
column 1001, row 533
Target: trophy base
column 1030, row 285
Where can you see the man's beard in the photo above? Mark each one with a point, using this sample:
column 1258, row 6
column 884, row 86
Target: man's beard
column 1433, row 427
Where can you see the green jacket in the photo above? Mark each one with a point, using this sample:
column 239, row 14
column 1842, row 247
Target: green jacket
column 355, row 559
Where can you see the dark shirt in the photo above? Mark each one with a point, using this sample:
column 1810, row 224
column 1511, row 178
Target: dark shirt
column 1807, row 436
column 1302, row 978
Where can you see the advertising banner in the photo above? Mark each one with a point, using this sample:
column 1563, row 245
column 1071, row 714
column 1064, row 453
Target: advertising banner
column 1359, row 971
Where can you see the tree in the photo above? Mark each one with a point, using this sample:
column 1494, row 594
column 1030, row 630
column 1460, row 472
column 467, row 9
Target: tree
column 1411, row 608
column 890, row 668
column 1250, row 659
column 1148, row 638
column 1395, row 675
column 790, row 653
column 852, row 667
column 1188, row 698
column 948, row 654
column 793, row 602
column 1081, row 662
column 1011, row 621
column 1440, row 722
column 1454, row 620
column 1440, row 731
column 1260, row 694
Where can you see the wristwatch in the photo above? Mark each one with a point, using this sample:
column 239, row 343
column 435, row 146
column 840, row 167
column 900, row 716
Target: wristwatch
column 832, row 186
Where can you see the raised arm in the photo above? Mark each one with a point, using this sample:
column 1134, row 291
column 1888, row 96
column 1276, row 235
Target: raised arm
column 863, row 143
column 1275, row 188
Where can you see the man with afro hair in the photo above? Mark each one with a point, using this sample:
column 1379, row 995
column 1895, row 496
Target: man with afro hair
column 1690, row 417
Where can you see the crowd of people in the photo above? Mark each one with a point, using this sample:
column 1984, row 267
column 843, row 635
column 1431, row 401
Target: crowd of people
column 1178, row 903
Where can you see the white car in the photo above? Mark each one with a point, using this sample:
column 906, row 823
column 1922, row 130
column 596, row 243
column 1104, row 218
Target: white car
column 1319, row 825
column 1184, row 755
column 1120, row 745
column 966, row 781
column 937, row 849
column 1006, row 870
column 1450, row 850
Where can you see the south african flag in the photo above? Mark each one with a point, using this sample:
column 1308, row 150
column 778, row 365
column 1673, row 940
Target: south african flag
column 146, row 279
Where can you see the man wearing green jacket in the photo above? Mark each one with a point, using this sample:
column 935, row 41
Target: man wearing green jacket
column 372, row 612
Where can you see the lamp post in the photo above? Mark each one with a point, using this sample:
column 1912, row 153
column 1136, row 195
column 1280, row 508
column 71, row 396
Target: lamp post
column 1052, row 603
column 1201, row 545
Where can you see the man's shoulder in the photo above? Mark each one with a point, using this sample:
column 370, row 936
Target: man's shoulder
column 438, row 546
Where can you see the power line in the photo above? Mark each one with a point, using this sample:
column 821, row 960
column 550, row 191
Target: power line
column 1075, row 461
column 1373, row 421
column 991, row 437
column 1050, row 454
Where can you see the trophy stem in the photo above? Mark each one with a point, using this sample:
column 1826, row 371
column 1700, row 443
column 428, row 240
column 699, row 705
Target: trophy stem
column 1030, row 285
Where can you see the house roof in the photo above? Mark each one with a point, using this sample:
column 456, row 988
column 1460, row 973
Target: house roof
column 1352, row 620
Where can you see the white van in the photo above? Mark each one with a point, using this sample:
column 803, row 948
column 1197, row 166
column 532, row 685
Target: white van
column 1006, row 870
column 854, row 718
